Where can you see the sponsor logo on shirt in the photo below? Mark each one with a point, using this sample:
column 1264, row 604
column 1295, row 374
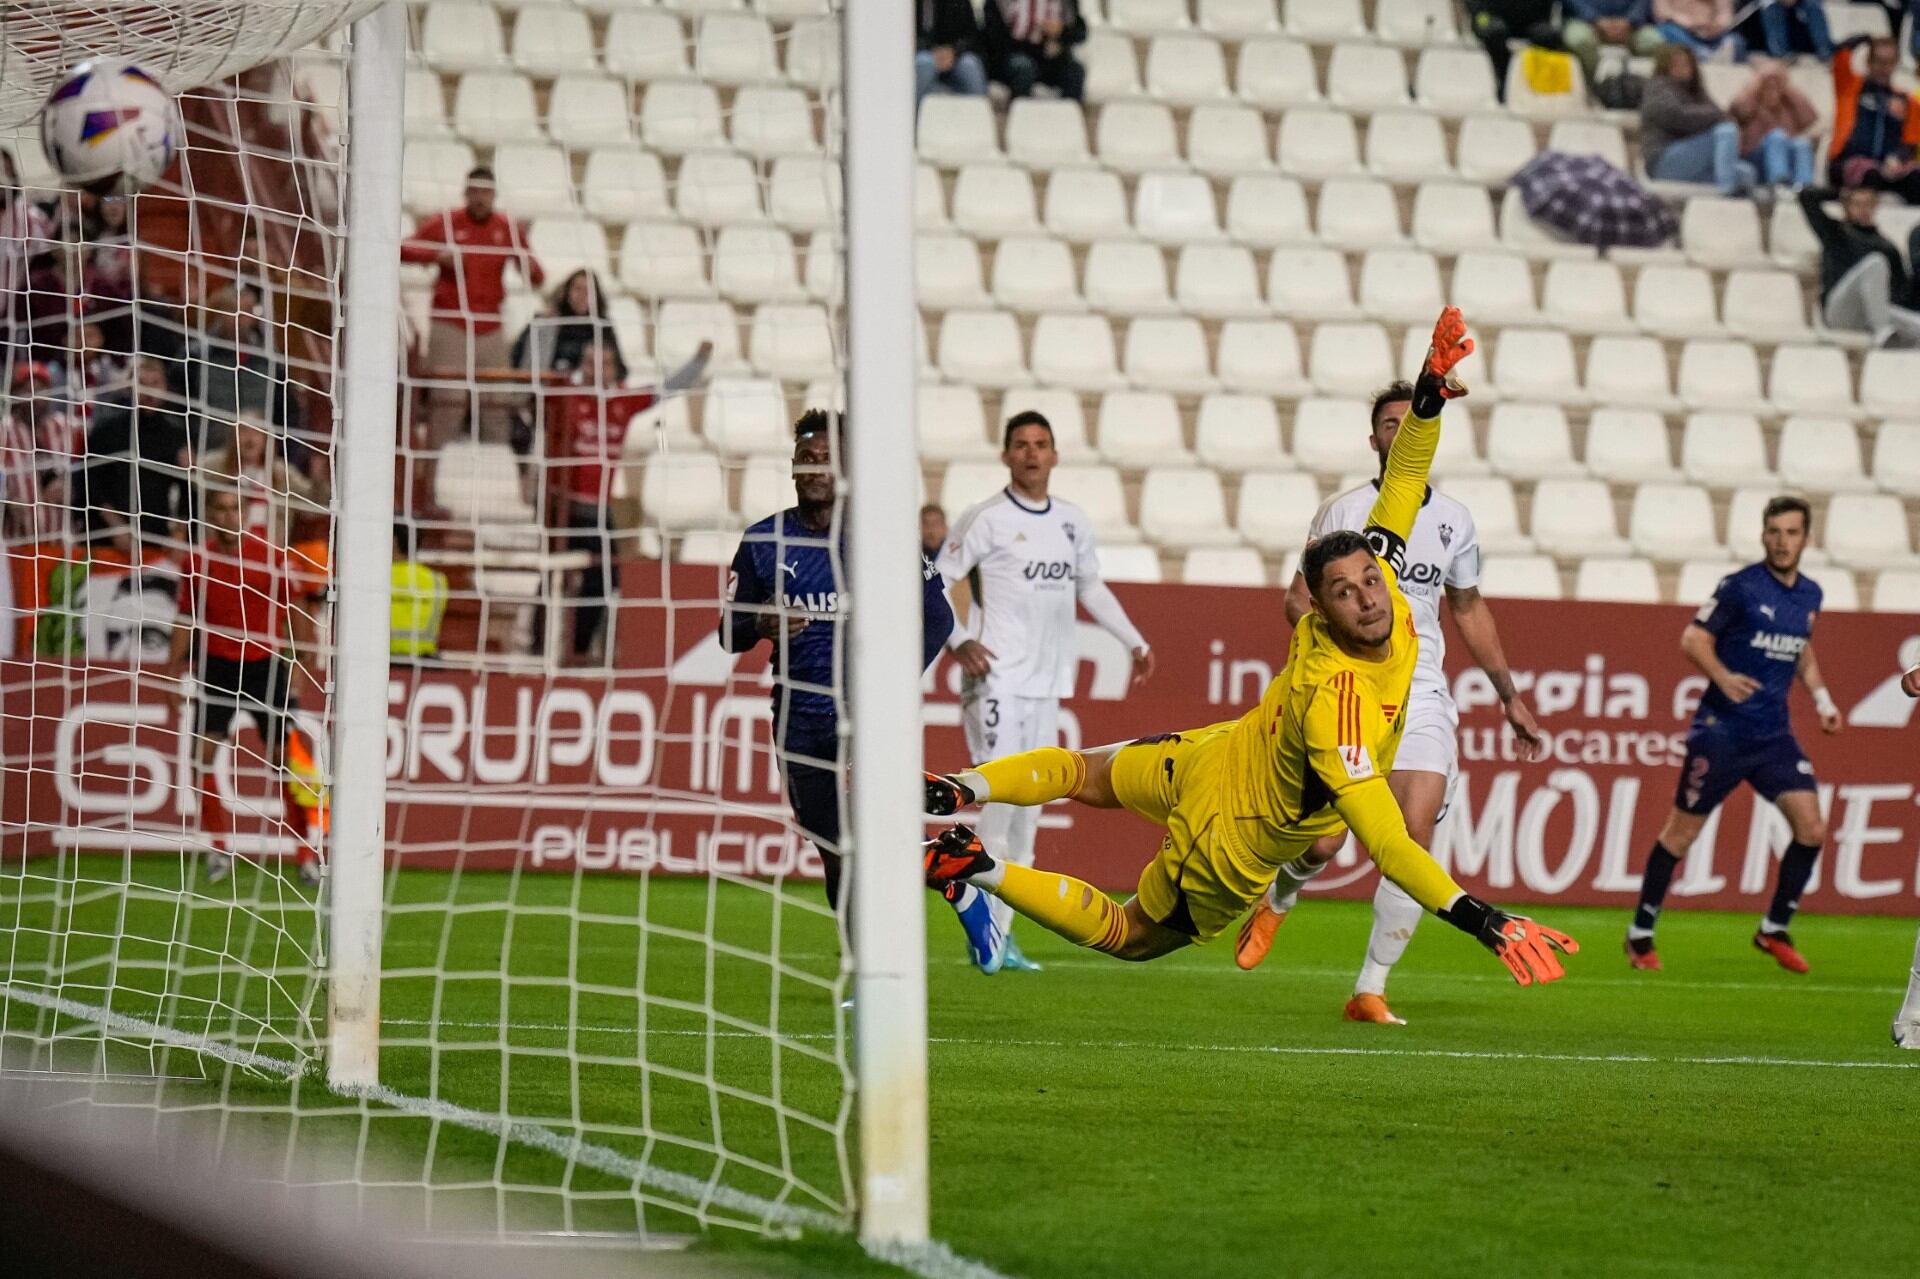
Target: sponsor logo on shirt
column 814, row 601
column 1048, row 570
column 1781, row 648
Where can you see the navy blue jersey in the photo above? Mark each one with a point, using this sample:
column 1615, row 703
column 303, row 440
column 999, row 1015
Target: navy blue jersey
column 783, row 563
column 1759, row 628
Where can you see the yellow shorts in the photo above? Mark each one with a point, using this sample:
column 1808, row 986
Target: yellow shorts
column 1202, row 879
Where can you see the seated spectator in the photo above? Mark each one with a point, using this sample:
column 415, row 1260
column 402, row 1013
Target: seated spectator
column 232, row 369
column 1704, row 26
column 1875, row 126
column 944, row 60
column 1497, row 22
column 1621, row 24
column 1788, row 27
column 1776, row 123
column 274, row 496
column 135, row 466
column 1030, row 42
column 575, row 320
column 39, row 443
column 1683, row 136
column 1863, row 286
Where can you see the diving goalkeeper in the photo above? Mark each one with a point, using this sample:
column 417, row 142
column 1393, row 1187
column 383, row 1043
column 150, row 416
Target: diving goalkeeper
column 1242, row 798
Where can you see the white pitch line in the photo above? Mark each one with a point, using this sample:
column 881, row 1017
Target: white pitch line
column 123, row 1022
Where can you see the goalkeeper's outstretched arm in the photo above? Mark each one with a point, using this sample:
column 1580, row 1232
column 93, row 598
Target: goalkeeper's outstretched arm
column 1403, row 486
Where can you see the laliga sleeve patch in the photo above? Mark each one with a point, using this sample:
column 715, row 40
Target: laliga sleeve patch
column 1358, row 763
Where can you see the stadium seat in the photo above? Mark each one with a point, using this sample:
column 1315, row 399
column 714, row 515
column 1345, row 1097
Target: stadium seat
column 1175, row 208
column 1496, row 289
column 981, row 347
column 1840, row 590
column 745, row 416
column 952, row 423
column 1452, row 217
column 1630, row 372
column 1822, row 454
column 929, row 200
column 1235, row 19
column 1224, row 140
column 1675, row 302
column 771, row 121
column 1261, row 357
column 664, row 260
column 1673, row 522
column 1868, row 530
column 1531, row 442
column 1047, row 133
column 708, row 547
column 1147, row 17
column 967, row 481
column 1896, row 458
column 1722, row 232
column 1744, row 521
column 534, row 179
column 735, row 49
column 1323, row 21
column 1520, row 577
column 714, row 188
column 1449, row 81
column 1366, row 77
column 1113, row 72
column 1407, row 147
column 462, row 37
column 1523, row 101
column 1127, row 277
column 955, row 130
column 793, row 342
column 1135, row 563
column 1628, row 446
column 624, row 184
column 1310, row 284
column 1075, row 351
column 1792, row 245
column 946, row 272
column 1141, row 430
column 1319, row 143
column 1168, row 354
column 1888, row 381
column 1358, row 214
column 992, row 200
column 1265, row 212
column 1414, row 24
column 1060, row 407
column 586, row 111
column 630, row 327
column 1575, row 518
column 1459, row 451
column 1520, row 233
column 1330, row 437
column 1349, row 359
column 1222, row 566
column 1276, row 74
column 1496, row 516
column 1135, row 137
column 647, row 44
column 1765, row 306
column 1492, row 147
column 1275, row 508
column 1086, row 204
column 1811, row 379
column 1897, row 590
column 1097, row 491
column 1235, row 432
column 1183, row 506
column 1536, row 364
column 1186, row 70
column 435, row 174
column 425, row 112
column 1217, row 282
column 1699, row 579
column 683, row 491
column 479, row 483
column 494, row 107
column 766, row 485
column 803, row 193
column 677, row 117
column 1618, row 580
column 787, row 10
column 1586, row 297
column 1035, row 273
column 1401, row 286
column 1724, row 450
column 552, row 40
column 1590, row 137
column 1720, row 375
column 565, row 245
column 813, row 53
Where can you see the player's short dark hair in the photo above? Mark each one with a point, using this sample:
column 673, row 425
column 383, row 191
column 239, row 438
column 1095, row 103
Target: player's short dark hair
column 1785, row 503
column 480, row 173
column 820, row 422
column 1030, row 417
column 403, row 539
column 1400, row 390
column 1324, row 550
column 934, row 508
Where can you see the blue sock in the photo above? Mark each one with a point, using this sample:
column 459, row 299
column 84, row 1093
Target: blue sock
column 1796, row 868
column 1653, row 890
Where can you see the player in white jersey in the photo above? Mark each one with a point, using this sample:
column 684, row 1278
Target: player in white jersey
column 1028, row 560
column 1442, row 557
column 1906, row 1024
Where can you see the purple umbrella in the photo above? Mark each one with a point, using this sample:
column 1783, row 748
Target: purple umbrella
column 1587, row 200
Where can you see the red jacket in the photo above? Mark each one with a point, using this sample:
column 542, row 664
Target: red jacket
column 595, row 424
column 471, row 290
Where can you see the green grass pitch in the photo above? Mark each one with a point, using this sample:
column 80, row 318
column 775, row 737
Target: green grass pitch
column 1099, row 1118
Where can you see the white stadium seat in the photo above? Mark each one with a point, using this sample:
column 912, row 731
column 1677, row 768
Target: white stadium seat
column 1366, row 77
column 981, row 347
column 735, row 49
column 1724, row 449
column 1407, row 146
column 1519, row 232
column 813, row 53
column 1575, row 518
column 534, row 179
column 1744, row 511
column 1217, row 281
column 1400, row 285
column 1822, row 454
column 803, row 192
column 955, row 129
column 623, row 184
column 1237, row 18
column 1147, row 16
column 1060, row 407
column 1047, row 133
column 1616, row 579
column 1135, row 563
column 1184, row 507
column 1536, row 364
column 1630, row 372
column 992, row 200
column 1186, row 70
column 1811, row 379
column 1765, row 306
column 1453, row 217
column 946, row 272
column 496, row 107
column 1168, row 354
column 1896, row 458
column 1261, row 357
column 479, row 483
column 1458, row 452
column 1887, row 382
column 1454, row 81
column 1113, row 73
column 1590, row 137
column 1673, row 522
column 1792, row 245
column 1127, row 277
column 1722, row 232
column 647, row 44
column 462, row 37
column 586, row 111
column 1075, row 351
column 435, row 173
column 685, row 491
column 745, row 416
column 952, row 423
column 968, row 481
column 1224, row 140
column 1086, row 204
column 1675, row 302
column 1319, row 143
column 565, row 245
column 791, row 341
column 1349, row 359
column 1492, row 147
column 1868, row 530
column 1234, row 432
column 1324, row 21
column 1276, row 75
column 1414, row 24
column 425, row 112
column 1035, row 273
column 1840, row 590
column 1897, row 590
column 1720, row 375
column 1310, row 284
column 713, row 188
column 1494, row 288
column 756, row 264
column 1358, row 214
column 1699, row 579
column 1520, row 577
column 771, row 121
column 1097, row 490
column 1330, row 437
column 1495, row 513
column 551, row 40
column 929, row 199
column 677, row 116
column 1628, row 446
column 1531, row 441
column 1141, row 430
column 1586, row 296
column 1275, row 508
column 1134, row 137
column 1265, row 211
column 1223, row 566
column 1175, row 208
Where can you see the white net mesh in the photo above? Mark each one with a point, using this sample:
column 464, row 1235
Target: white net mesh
column 611, row 983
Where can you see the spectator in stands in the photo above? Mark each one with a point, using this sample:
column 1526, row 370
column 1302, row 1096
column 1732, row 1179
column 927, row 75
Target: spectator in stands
column 274, row 495
column 135, row 465
column 231, row 369
column 575, row 320
column 1788, row 27
column 1621, row 24
column 38, row 447
column 25, row 234
column 1776, row 125
column 472, row 245
column 945, row 61
column 1030, row 42
column 1863, row 286
column 1875, row 126
column 1683, row 136
column 1704, row 26
column 933, row 530
column 106, row 269
column 419, row 601
column 1497, row 22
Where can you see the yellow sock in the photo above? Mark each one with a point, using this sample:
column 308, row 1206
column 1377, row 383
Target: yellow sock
column 1062, row 904
column 1029, row 778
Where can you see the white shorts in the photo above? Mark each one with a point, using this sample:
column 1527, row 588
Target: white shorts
column 1431, row 741
column 999, row 724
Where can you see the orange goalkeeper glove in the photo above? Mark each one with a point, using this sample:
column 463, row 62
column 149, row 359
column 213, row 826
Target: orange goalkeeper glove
column 1437, row 383
column 1527, row 948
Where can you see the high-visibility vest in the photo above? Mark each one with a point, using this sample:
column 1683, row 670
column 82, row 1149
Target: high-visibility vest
column 419, row 602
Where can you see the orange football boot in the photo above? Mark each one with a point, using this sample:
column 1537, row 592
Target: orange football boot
column 1372, row 1008
column 1641, row 955
column 1780, row 946
column 1256, row 935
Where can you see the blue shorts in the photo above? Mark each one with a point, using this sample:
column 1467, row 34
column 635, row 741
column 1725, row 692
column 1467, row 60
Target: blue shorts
column 1719, row 760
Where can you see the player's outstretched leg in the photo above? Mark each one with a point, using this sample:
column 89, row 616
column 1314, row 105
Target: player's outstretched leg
column 1282, row 895
column 1032, row 777
column 986, row 939
column 1906, row 1026
column 1395, row 917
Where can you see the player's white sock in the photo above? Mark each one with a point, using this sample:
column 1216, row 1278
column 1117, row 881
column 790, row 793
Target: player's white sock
column 994, row 829
column 975, row 783
column 1395, row 916
column 1910, row 1008
column 1284, row 893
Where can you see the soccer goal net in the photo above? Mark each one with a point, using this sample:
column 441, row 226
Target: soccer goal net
column 380, row 759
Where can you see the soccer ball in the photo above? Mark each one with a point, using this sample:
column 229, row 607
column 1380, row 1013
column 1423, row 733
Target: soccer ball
column 109, row 127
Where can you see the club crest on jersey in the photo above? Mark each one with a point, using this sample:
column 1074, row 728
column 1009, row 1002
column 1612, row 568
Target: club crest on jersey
column 1358, row 763
column 1446, row 536
column 1066, row 526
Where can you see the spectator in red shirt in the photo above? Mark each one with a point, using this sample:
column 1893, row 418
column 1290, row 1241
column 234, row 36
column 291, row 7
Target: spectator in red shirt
column 594, row 423
column 472, row 246
column 235, row 593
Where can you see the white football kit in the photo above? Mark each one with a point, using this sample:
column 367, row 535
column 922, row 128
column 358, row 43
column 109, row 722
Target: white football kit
column 1029, row 568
